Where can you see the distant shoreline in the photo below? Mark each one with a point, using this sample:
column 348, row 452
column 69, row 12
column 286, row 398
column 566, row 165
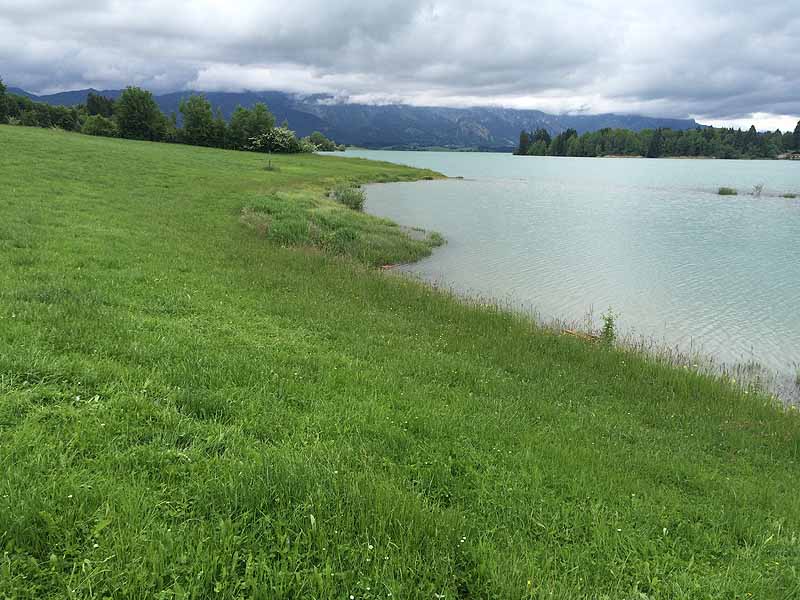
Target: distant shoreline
column 514, row 153
column 661, row 157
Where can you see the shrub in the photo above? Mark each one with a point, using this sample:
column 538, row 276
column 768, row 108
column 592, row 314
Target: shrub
column 62, row 117
column 351, row 197
column 281, row 140
column 322, row 143
column 29, row 118
column 100, row 125
column 307, row 146
column 609, row 331
column 727, row 191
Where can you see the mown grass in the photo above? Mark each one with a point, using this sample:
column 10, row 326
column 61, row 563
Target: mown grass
column 190, row 410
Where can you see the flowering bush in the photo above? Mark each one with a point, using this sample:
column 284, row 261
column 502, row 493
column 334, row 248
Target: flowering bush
column 306, row 145
column 281, row 140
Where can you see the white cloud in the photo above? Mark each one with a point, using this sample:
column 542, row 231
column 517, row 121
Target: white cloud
column 720, row 61
column 764, row 121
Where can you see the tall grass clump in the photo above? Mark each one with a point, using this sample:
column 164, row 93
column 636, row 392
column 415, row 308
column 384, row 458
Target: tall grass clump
column 351, row 196
column 727, row 191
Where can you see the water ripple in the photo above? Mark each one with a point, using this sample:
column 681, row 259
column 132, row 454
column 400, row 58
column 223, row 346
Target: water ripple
column 648, row 238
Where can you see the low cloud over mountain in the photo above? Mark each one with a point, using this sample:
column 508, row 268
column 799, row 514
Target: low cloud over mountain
column 395, row 126
column 718, row 61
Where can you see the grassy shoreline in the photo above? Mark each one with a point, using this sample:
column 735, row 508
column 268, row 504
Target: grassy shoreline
column 190, row 410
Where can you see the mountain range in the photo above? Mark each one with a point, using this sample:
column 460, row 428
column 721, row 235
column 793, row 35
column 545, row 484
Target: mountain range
column 395, row 126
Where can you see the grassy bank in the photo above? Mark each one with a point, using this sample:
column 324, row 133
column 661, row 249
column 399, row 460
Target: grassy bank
column 196, row 404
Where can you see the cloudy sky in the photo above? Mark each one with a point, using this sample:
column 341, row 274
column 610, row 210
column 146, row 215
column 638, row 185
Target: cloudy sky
column 720, row 61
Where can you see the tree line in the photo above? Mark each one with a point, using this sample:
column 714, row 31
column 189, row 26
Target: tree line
column 658, row 143
column 135, row 115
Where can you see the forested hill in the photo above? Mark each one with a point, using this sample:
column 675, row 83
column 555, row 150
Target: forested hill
column 707, row 142
column 397, row 126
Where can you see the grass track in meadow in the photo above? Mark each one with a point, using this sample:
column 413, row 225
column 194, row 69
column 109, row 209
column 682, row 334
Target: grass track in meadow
column 190, row 410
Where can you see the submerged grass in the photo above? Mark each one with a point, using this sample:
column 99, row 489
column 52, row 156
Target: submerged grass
column 190, row 407
column 351, row 197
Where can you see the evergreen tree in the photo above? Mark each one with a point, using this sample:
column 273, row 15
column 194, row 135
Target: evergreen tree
column 753, row 143
column 796, row 137
column 524, row 142
column 542, row 135
column 656, row 143
column 99, row 105
column 538, row 148
column 574, row 146
column 560, row 143
column 656, row 146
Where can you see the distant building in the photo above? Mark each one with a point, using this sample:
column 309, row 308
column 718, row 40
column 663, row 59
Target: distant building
column 789, row 156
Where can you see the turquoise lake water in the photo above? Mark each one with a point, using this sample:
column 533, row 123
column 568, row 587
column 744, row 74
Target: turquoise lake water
column 651, row 239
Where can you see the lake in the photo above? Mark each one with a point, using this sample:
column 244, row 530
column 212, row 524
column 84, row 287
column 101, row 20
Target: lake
column 651, row 239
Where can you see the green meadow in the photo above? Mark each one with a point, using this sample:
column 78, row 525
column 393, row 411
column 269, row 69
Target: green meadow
column 208, row 389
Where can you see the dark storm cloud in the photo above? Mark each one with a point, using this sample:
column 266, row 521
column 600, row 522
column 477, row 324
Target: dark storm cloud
column 707, row 58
